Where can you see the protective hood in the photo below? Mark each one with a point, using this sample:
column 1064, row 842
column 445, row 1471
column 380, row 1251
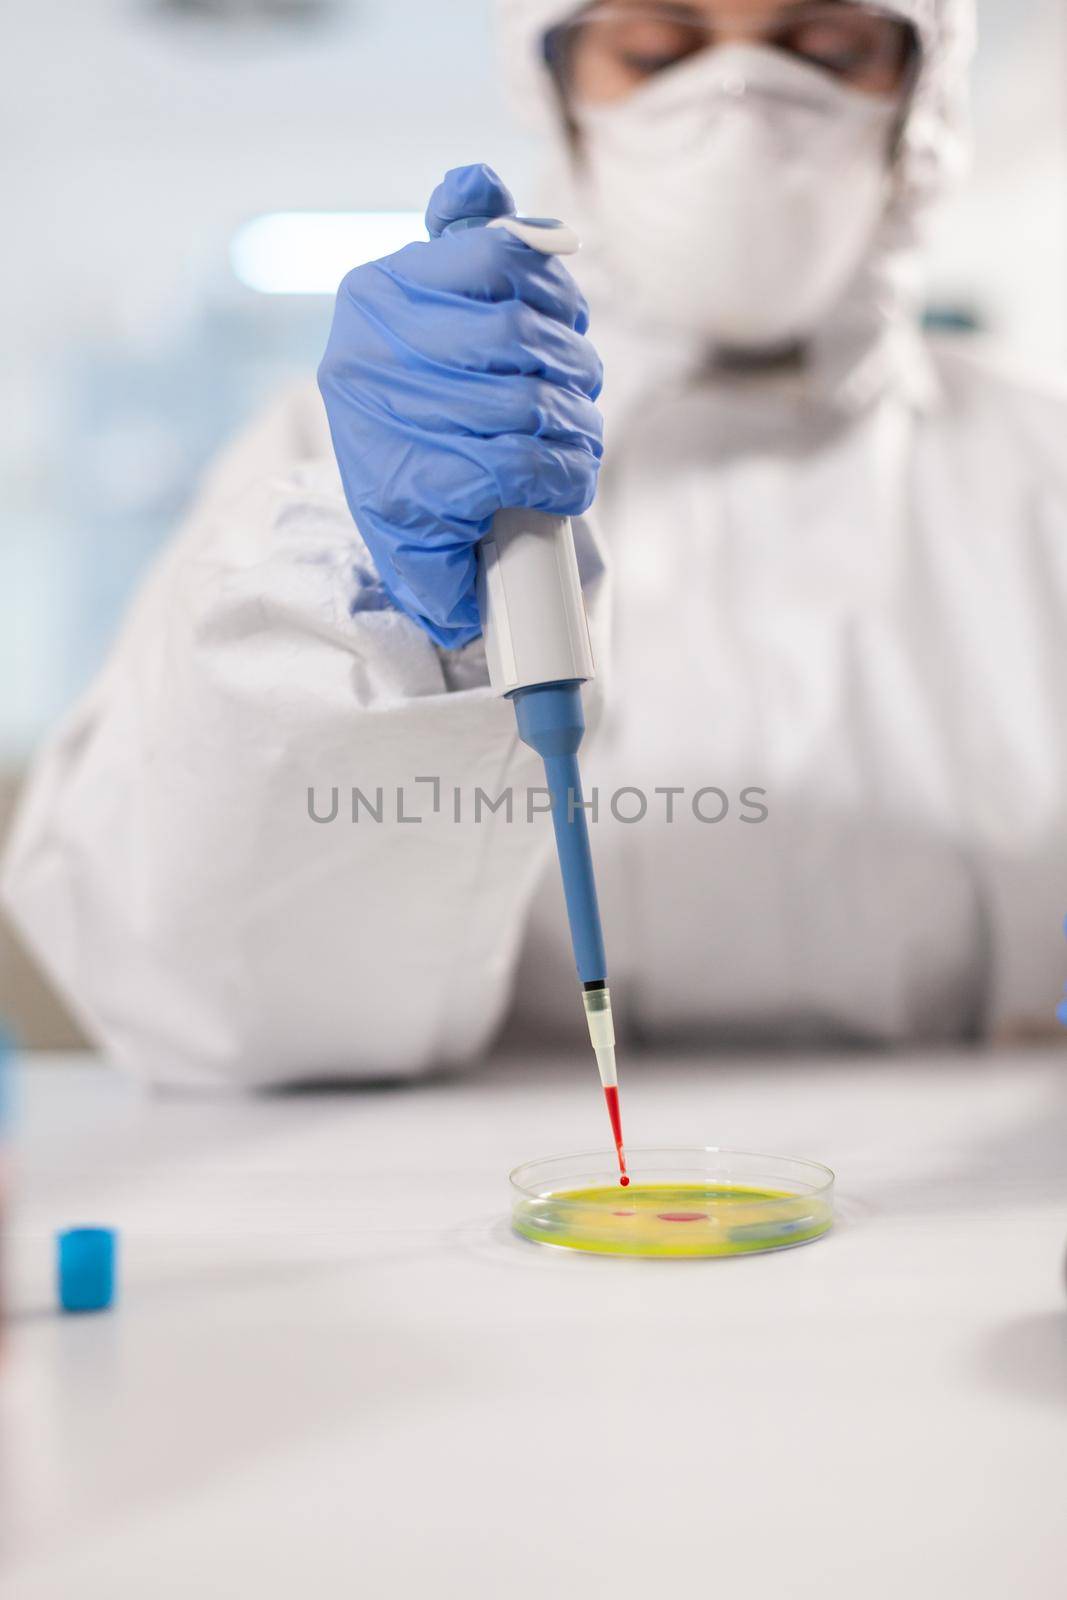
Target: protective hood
column 870, row 339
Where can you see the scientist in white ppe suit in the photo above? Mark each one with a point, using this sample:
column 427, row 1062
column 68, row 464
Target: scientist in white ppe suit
column 835, row 572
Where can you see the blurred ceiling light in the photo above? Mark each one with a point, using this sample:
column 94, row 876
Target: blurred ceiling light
column 309, row 252
column 255, row 12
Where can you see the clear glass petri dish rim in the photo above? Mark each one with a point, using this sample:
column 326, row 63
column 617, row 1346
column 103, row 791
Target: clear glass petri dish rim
column 682, row 1202
column 546, row 1176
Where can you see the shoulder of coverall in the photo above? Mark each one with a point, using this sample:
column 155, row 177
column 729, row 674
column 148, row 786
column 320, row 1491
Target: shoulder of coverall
column 291, row 429
column 985, row 386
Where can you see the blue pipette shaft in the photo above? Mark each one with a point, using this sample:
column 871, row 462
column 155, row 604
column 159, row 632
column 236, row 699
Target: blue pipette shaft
column 551, row 721
column 576, row 867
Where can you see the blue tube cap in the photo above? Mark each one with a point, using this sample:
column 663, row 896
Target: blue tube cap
column 86, row 1268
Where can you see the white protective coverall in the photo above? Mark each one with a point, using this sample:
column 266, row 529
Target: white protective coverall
column 847, row 590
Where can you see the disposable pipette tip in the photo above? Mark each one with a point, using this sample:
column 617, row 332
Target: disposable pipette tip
column 605, row 1063
column 611, row 1095
column 597, row 1004
column 605, row 1060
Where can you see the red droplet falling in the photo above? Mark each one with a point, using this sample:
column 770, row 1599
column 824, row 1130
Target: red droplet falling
column 611, row 1095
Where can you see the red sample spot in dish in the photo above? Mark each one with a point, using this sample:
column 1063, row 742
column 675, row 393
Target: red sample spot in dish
column 682, row 1216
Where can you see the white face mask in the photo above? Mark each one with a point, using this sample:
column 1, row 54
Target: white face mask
column 736, row 195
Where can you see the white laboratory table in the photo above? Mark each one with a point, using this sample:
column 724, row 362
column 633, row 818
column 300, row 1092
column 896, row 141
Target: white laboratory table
column 335, row 1373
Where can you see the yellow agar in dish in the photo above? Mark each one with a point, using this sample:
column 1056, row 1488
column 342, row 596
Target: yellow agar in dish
column 673, row 1219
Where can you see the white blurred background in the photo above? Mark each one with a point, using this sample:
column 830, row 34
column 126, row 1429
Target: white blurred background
column 143, row 134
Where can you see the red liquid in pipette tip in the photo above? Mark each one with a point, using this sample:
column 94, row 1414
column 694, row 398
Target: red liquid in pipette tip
column 611, row 1095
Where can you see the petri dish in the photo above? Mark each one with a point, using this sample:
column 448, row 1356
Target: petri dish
column 680, row 1203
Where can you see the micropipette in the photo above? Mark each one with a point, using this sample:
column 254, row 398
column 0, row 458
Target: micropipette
column 539, row 655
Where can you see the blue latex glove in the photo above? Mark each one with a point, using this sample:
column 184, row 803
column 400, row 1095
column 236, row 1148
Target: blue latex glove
column 457, row 380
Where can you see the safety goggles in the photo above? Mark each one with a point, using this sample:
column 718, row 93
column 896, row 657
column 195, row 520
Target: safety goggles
column 610, row 48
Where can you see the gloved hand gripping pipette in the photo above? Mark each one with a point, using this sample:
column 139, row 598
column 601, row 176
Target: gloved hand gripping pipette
column 539, row 655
